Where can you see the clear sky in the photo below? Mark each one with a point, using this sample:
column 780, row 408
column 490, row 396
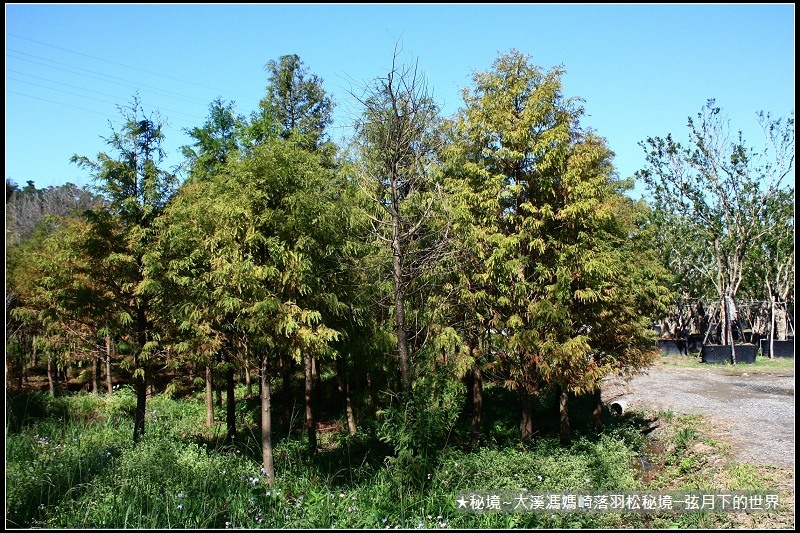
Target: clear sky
column 641, row 69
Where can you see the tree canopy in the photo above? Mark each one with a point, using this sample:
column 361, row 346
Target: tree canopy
column 429, row 259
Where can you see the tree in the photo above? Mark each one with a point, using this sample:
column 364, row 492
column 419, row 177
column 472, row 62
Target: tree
column 396, row 144
column 59, row 302
column 198, row 327
column 474, row 298
column 774, row 261
column 712, row 194
column 249, row 248
column 216, row 142
column 33, row 216
column 545, row 220
column 295, row 105
column 27, row 208
column 137, row 190
column 297, row 108
column 512, row 125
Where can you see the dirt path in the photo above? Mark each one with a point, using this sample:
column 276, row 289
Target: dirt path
column 755, row 409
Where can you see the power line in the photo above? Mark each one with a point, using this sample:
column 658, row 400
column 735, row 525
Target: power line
column 60, row 91
column 89, row 90
column 167, row 124
column 172, row 94
column 126, row 82
column 121, row 64
column 42, row 71
column 59, row 103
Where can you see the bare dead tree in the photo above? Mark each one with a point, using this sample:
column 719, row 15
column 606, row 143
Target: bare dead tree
column 396, row 145
column 713, row 196
column 26, row 210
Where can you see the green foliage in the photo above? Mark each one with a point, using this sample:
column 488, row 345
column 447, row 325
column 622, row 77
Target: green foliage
column 746, row 477
column 722, row 209
column 555, row 274
column 72, row 465
column 215, row 143
column 61, row 449
column 497, row 244
column 251, row 239
column 28, row 408
column 420, row 424
column 295, row 105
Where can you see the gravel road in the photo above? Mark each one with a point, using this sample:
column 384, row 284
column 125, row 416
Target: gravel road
column 756, row 409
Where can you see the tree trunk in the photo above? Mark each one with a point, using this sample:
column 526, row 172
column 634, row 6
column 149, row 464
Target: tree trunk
column 780, row 322
column 109, row 376
column 526, row 410
column 141, row 404
column 96, row 373
column 51, row 384
column 597, row 413
column 772, row 330
column 209, row 398
column 344, row 389
column 729, row 328
column 230, row 397
column 477, row 405
column 348, row 403
column 247, row 380
column 286, row 385
column 317, row 386
column 32, row 363
column 563, row 413
column 399, row 306
column 309, row 390
column 348, row 410
column 402, row 343
column 469, row 400
column 268, row 464
column 139, row 377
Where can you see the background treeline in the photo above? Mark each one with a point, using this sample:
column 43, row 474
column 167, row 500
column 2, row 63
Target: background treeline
column 389, row 282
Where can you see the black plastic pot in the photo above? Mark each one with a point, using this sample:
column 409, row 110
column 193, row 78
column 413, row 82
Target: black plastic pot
column 672, row 347
column 746, row 353
column 782, row 348
column 695, row 343
column 720, row 354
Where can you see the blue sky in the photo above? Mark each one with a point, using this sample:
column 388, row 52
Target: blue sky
column 641, row 69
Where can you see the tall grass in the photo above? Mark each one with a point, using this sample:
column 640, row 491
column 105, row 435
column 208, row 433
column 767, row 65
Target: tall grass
column 762, row 364
column 71, row 463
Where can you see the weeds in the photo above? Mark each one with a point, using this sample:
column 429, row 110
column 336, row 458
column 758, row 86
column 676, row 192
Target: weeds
column 71, row 463
column 762, row 364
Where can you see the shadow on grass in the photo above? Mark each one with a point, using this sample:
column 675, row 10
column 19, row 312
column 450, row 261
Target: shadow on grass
column 26, row 408
column 501, row 416
column 345, row 461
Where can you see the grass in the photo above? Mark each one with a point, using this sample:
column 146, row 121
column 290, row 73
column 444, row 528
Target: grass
column 71, row 463
column 688, row 456
column 762, row 364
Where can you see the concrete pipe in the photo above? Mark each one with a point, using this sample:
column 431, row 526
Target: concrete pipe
column 618, row 407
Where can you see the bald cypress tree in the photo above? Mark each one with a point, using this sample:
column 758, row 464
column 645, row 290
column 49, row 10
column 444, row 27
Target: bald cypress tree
column 546, row 213
column 136, row 189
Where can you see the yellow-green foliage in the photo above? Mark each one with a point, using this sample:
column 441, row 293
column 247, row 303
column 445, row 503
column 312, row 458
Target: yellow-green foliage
column 551, row 255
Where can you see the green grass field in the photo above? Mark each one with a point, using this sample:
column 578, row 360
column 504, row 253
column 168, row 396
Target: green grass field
column 762, row 364
column 71, row 462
